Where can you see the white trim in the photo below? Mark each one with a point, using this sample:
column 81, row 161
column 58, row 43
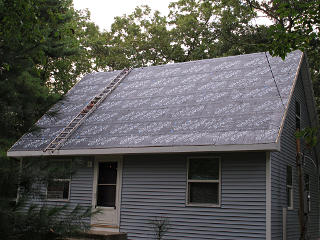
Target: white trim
column 119, row 160
column 210, row 181
column 160, row 149
column 268, row 196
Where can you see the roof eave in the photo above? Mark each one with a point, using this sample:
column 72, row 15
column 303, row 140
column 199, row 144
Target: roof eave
column 143, row 150
column 290, row 96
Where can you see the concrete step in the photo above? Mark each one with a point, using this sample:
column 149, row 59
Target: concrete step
column 100, row 235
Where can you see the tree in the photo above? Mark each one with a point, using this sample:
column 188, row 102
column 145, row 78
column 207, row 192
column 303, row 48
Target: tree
column 45, row 45
column 212, row 28
column 193, row 30
column 139, row 39
column 30, row 31
column 90, row 55
column 296, row 25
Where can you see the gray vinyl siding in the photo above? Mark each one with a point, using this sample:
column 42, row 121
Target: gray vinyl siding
column 279, row 161
column 155, row 186
column 80, row 190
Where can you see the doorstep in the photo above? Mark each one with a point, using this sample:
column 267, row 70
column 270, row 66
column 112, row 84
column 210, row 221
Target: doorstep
column 100, row 235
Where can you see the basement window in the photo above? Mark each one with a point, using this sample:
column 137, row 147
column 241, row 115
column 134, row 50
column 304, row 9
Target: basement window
column 58, row 188
column 203, row 181
column 298, row 116
column 289, row 188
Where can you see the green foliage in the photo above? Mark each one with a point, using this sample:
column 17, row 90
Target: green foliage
column 309, row 135
column 296, row 25
column 193, row 30
column 20, row 221
column 45, row 45
column 42, row 222
column 138, row 39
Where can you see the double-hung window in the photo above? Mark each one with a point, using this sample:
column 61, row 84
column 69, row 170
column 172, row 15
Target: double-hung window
column 289, row 188
column 203, row 182
column 58, row 187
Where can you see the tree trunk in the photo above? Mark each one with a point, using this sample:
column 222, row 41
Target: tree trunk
column 301, row 191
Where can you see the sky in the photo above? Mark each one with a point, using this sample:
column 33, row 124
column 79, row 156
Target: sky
column 104, row 11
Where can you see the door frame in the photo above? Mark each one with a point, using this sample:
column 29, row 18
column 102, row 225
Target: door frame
column 108, row 158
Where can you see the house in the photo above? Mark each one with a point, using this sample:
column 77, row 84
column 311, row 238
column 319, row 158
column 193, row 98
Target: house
column 208, row 145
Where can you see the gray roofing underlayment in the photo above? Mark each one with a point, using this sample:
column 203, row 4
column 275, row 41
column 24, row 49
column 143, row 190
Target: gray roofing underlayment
column 221, row 101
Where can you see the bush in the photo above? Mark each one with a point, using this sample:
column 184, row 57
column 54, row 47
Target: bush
column 44, row 222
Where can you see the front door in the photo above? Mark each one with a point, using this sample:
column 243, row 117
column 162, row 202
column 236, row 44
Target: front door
column 106, row 195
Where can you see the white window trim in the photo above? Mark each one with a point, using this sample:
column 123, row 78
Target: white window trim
column 212, row 181
column 60, row 180
column 290, row 187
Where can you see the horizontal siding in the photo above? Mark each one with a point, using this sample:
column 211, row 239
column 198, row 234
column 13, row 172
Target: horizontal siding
column 279, row 161
column 80, row 191
column 155, row 186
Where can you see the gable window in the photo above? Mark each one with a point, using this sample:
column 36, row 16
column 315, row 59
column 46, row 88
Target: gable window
column 58, row 188
column 298, row 116
column 289, row 187
column 203, row 182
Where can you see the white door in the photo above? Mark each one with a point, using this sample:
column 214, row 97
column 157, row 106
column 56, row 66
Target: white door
column 106, row 193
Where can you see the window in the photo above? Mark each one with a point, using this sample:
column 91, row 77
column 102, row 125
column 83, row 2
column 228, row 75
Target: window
column 298, row 116
column 307, row 192
column 289, row 188
column 58, row 187
column 203, row 181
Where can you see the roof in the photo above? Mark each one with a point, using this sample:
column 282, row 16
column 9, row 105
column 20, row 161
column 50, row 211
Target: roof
column 230, row 102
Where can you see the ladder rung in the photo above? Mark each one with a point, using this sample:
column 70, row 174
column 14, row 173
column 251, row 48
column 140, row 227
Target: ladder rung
column 75, row 122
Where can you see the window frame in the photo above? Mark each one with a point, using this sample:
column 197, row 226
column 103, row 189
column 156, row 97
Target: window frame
column 290, row 207
column 60, row 180
column 187, row 203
